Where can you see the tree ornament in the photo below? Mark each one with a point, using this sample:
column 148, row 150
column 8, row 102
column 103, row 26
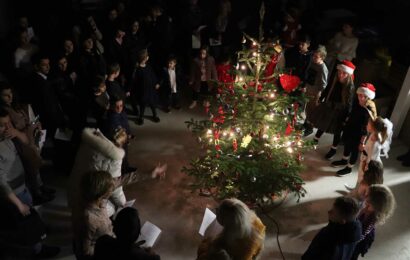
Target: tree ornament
column 289, row 82
column 235, row 145
column 289, row 130
column 253, row 179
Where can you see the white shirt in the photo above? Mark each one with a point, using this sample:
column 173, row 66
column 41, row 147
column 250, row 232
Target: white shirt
column 172, row 80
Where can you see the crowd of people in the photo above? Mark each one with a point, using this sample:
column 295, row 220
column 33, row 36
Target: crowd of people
column 148, row 60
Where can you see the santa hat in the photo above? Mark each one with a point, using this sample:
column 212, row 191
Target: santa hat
column 346, row 66
column 367, row 89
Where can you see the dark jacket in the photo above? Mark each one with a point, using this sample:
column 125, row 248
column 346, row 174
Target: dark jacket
column 108, row 248
column 334, row 242
column 113, row 121
column 298, row 62
column 195, row 76
column 143, row 85
column 166, row 81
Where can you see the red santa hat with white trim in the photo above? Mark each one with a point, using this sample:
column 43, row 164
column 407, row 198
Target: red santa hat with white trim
column 367, row 89
column 346, row 66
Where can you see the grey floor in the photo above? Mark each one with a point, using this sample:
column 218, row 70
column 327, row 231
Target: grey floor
column 172, row 206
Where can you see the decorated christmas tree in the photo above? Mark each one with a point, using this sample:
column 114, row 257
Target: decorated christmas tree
column 253, row 146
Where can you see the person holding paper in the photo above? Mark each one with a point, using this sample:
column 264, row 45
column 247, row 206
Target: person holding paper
column 127, row 229
column 242, row 236
column 31, row 132
column 90, row 219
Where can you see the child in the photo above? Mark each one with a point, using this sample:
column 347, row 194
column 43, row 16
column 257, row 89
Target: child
column 379, row 206
column 203, row 70
column 355, row 129
column 113, row 86
column 338, row 239
column 144, row 88
column 101, row 100
column 377, row 143
column 316, row 82
column 333, row 111
column 171, row 82
column 372, row 175
column 298, row 58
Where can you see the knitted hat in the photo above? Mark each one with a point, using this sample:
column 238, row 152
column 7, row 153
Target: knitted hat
column 367, row 89
column 347, row 66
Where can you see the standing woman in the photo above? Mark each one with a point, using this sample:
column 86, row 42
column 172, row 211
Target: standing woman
column 337, row 104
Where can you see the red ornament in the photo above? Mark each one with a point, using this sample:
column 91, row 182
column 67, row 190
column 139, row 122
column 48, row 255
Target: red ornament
column 259, row 87
column 289, row 129
column 220, row 110
column 235, row 145
column 289, row 82
column 216, row 134
column 217, row 147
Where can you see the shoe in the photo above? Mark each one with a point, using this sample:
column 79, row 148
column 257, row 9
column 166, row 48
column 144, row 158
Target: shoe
column 349, row 188
column 307, row 132
column 156, row 119
column 47, row 190
column 330, row 154
column 339, row 163
column 193, row 105
column 140, row 121
column 47, row 252
column 345, row 171
column 167, row 110
column 177, row 107
column 42, row 198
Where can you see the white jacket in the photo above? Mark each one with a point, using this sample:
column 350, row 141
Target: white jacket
column 96, row 152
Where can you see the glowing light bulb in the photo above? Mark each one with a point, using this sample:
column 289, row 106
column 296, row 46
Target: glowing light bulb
column 254, row 54
column 210, row 140
column 272, row 95
column 289, row 150
column 209, row 132
column 224, row 133
column 243, row 67
column 265, row 136
column 240, row 78
column 288, row 143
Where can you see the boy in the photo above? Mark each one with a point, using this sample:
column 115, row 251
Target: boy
column 338, row 239
column 171, row 81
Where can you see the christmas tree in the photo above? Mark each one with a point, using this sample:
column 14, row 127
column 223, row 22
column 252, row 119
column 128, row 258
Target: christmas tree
column 252, row 141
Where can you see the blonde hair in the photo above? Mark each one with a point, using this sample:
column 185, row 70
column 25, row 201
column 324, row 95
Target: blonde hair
column 96, row 185
column 383, row 202
column 237, row 219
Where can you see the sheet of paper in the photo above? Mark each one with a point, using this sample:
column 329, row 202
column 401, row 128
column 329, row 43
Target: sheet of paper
column 64, row 135
column 149, row 233
column 42, row 138
column 209, row 217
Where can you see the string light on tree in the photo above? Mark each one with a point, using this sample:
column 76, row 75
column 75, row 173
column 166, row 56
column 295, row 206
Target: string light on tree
column 252, row 128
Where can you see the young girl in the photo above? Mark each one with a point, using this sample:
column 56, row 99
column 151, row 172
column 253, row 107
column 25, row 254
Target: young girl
column 377, row 143
column 144, row 88
column 333, row 111
column 379, row 206
column 372, row 175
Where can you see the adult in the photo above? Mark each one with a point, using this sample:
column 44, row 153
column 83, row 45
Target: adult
column 242, row 236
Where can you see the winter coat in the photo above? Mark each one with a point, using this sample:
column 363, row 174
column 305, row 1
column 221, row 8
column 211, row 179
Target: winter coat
column 96, row 152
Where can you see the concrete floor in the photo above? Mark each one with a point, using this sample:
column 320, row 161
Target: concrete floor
column 172, row 206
